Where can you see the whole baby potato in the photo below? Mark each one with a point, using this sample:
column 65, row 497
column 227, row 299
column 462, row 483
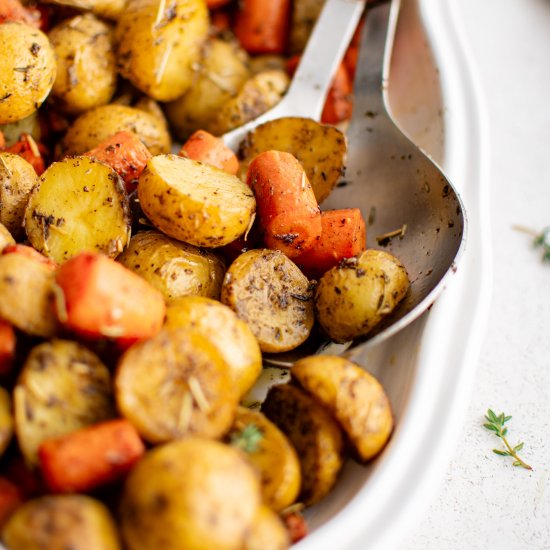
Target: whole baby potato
column 158, row 43
column 86, row 75
column 353, row 297
column 194, row 494
column 27, row 70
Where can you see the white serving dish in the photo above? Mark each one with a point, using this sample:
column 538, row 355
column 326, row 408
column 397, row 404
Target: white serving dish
column 427, row 368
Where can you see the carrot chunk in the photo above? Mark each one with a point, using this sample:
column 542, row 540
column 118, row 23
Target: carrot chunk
column 29, row 252
column 342, row 236
column 262, row 25
column 101, row 298
column 338, row 104
column 204, row 147
column 7, row 348
column 296, row 526
column 10, row 499
column 220, row 21
column 90, row 457
column 125, row 154
column 288, row 212
column 31, row 151
column 213, row 4
column 13, row 10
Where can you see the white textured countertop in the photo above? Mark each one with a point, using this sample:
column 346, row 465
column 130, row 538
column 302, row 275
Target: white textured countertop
column 483, row 502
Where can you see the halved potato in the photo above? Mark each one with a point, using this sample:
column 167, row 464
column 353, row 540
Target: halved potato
column 225, row 331
column 175, row 268
column 61, row 522
column 17, row 178
column 353, row 297
column 195, row 202
column 62, row 387
column 79, row 205
column 321, row 149
column 270, row 293
column 174, row 385
column 314, row 434
column 26, row 295
column 6, row 420
column 356, row 399
column 271, row 453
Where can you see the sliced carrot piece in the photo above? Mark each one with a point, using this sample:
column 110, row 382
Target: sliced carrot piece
column 289, row 215
column 31, row 151
column 204, row 147
column 90, row 457
column 102, row 299
column 343, row 235
column 262, row 25
column 296, row 526
column 213, row 4
column 7, row 347
column 125, row 154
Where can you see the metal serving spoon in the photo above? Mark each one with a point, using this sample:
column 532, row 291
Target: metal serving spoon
column 411, row 206
column 324, row 52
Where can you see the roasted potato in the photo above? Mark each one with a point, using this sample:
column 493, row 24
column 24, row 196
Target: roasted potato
column 86, row 69
column 304, row 16
column 6, row 237
column 225, row 331
column 28, row 125
column 194, row 202
column 269, row 293
column 218, row 77
column 271, row 453
column 260, row 93
column 17, row 178
column 175, row 268
column 267, row 532
column 321, row 149
column 62, row 387
column 79, row 204
column 96, row 125
column 158, row 43
column 355, row 398
column 261, row 63
column 6, row 420
column 313, row 432
column 174, row 385
column 27, row 70
column 194, row 494
column 61, row 522
column 354, row 296
column 108, row 9
column 27, row 292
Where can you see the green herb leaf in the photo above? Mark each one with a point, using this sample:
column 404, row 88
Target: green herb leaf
column 248, row 439
column 501, row 453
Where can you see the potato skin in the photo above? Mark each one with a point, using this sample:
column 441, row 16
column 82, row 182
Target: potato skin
column 60, row 522
column 175, row 268
column 175, row 385
column 194, row 202
column 27, row 70
column 267, row 532
column 17, row 178
column 356, row 399
column 27, row 291
column 354, row 296
column 274, row 458
column 96, row 125
column 314, row 434
column 62, row 387
column 270, row 293
column 86, row 69
column 157, row 49
column 225, row 331
column 219, row 76
column 194, row 494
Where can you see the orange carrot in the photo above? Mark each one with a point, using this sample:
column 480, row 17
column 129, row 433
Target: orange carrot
column 220, row 21
column 288, row 212
column 90, row 457
column 125, row 154
column 343, row 236
column 31, row 151
column 2, row 140
column 7, row 347
column 213, row 4
column 101, row 298
column 296, row 526
column 13, row 10
column 29, row 252
column 262, row 25
column 10, row 499
column 350, row 61
column 338, row 104
column 209, row 149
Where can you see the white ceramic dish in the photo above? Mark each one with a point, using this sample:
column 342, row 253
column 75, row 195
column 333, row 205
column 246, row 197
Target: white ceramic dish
column 427, row 368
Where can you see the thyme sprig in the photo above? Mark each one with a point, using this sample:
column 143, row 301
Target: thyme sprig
column 540, row 240
column 495, row 424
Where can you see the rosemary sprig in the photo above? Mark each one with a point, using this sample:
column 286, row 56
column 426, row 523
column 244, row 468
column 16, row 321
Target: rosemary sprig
column 496, row 424
column 540, row 240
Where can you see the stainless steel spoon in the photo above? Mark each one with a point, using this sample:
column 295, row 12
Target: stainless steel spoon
column 400, row 190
